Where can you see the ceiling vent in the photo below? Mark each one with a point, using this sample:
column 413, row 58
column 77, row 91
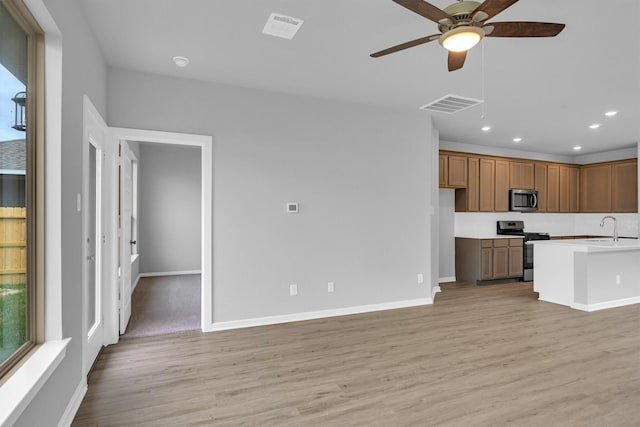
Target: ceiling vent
column 451, row 104
column 282, row 26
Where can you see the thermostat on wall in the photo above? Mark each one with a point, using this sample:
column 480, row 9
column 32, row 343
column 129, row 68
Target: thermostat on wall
column 292, row 208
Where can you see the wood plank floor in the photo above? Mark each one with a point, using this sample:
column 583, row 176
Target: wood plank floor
column 480, row 356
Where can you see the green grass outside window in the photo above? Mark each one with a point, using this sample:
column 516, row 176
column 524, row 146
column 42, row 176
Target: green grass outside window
column 13, row 324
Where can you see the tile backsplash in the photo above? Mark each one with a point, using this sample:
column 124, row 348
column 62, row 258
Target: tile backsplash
column 479, row 224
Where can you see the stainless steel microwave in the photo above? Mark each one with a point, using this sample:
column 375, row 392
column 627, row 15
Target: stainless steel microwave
column 523, row 200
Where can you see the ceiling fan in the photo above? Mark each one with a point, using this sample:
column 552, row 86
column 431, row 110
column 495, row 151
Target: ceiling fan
column 463, row 24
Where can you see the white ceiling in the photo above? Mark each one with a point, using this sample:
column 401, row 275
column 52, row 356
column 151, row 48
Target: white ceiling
column 545, row 90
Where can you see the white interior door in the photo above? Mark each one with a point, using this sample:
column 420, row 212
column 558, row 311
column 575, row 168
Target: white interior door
column 95, row 265
column 126, row 201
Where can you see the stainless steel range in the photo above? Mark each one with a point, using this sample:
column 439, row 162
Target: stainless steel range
column 516, row 228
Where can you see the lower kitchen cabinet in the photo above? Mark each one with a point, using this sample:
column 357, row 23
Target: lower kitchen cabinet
column 516, row 258
column 500, row 260
column 479, row 260
column 486, row 261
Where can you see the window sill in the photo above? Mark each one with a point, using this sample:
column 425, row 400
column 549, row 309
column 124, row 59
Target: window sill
column 23, row 385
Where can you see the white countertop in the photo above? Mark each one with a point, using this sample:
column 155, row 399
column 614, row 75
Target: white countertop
column 594, row 245
column 489, row 236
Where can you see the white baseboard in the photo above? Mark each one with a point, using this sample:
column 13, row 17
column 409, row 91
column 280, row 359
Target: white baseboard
column 133, row 288
column 605, row 305
column 310, row 315
column 447, row 279
column 74, row 405
column 434, row 291
column 170, row 273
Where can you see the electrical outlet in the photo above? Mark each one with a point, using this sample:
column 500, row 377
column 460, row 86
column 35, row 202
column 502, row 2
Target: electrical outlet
column 420, row 278
column 330, row 287
column 618, row 279
column 293, row 289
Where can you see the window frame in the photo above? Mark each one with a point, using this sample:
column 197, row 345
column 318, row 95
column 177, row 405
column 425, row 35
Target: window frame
column 34, row 185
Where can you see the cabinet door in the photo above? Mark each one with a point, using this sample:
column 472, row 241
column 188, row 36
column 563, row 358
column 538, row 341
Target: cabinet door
column 457, row 171
column 443, row 172
column 502, row 186
column 516, row 260
column 564, row 189
column 553, row 188
column 486, row 264
column 487, row 185
column 540, row 185
column 501, row 263
column 521, row 175
column 596, row 188
column 473, row 184
column 574, row 189
column 625, row 187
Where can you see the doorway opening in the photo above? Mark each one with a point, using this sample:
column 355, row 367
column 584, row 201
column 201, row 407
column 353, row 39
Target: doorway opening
column 165, row 231
column 121, row 297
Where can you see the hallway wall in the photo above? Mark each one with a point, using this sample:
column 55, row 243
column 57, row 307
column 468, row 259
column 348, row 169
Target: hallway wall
column 169, row 213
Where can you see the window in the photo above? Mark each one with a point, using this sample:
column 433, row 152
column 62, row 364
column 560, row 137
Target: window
column 21, row 183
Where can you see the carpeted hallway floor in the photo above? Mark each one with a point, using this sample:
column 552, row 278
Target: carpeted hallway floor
column 164, row 305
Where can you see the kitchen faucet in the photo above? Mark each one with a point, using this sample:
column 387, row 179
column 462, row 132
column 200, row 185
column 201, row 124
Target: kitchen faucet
column 615, row 226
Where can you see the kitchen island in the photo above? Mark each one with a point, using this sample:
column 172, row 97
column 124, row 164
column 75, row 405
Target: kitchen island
column 588, row 274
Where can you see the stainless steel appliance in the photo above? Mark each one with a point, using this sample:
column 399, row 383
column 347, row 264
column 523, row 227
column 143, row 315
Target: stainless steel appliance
column 521, row 200
column 516, row 228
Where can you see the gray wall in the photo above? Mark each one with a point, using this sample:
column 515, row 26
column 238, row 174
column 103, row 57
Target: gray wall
column 446, row 234
column 84, row 72
column 362, row 177
column 169, row 190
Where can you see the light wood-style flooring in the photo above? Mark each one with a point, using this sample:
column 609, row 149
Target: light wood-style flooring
column 480, row 356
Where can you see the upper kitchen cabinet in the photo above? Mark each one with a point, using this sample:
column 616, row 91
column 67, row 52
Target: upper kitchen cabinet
column 610, row 187
column 521, row 175
column 569, row 189
column 487, row 186
column 467, row 199
column 625, row 186
column 596, row 188
column 482, row 183
column 553, row 188
column 502, row 186
column 540, row 185
column 452, row 171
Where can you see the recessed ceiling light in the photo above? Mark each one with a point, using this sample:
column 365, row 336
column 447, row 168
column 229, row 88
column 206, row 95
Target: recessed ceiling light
column 181, row 61
column 577, row 148
column 486, row 128
column 517, row 139
column 610, row 113
column 594, row 126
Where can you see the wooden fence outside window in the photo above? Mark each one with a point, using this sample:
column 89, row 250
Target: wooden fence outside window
column 13, row 246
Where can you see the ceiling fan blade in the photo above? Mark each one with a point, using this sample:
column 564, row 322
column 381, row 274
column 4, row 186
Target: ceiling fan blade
column 522, row 29
column 456, row 60
column 491, row 8
column 425, row 9
column 406, row 45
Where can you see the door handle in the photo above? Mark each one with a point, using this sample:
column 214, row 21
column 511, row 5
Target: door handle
column 132, row 242
column 91, row 257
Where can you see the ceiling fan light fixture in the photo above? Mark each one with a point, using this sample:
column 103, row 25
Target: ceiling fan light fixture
column 461, row 39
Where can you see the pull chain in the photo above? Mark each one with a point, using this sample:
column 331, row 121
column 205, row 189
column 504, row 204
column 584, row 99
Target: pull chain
column 482, row 84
